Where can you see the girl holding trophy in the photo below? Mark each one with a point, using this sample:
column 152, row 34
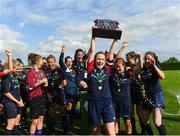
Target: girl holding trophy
column 99, row 95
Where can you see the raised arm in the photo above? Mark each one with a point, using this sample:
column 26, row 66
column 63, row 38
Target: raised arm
column 140, row 63
column 159, row 72
column 9, row 57
column 112, row 49
column 9, row 60
column 91, row 51
column 61, row 58
column 119, row 54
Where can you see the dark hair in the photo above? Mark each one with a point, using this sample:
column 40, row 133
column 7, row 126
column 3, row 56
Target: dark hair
column 35, row 58
column 100, row 52
column 30, row 55
column 154, row 56
column 68, row 57
column 132, row 55
column 20, row 61
column 76, row 52
column 44, row 58
column 120, row 60
column 114, row 56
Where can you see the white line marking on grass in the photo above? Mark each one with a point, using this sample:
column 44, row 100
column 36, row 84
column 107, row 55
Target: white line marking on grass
column 173, row 114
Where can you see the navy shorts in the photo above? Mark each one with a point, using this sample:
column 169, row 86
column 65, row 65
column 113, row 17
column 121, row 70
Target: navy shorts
column 156, row 101
column 101, row 108
column 37, row 106
column 122, row 108
column 11, row 110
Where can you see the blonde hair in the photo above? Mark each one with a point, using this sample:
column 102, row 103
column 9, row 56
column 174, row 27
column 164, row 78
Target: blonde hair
column 51, row 57
column 15, row 63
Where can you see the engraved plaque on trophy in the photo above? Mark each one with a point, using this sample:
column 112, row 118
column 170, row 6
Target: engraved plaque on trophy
column 105, row 28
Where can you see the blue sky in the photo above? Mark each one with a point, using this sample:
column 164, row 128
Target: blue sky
column 41, row 26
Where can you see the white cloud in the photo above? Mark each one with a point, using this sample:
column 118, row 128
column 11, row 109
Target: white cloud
column 75, row 36
column 7, row 34
column 37, row 18
column 159, row 23
column 157, row 31
column 51, row 45
column 12, row 40
column 147, row 25
column 78, row 31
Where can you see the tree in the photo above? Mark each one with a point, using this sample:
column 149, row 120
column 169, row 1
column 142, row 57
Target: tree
column 171, row 60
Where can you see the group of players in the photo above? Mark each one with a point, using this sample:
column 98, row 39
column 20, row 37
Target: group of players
column 115, row 89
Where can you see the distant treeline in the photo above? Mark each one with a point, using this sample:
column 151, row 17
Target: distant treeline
column 171, row 63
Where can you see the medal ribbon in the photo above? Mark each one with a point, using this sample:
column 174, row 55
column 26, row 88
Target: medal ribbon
column 100, row 77
column 118, row 79
column 80, row 67
column 15, row 81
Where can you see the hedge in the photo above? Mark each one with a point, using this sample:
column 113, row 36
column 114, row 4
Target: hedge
column 170, row 66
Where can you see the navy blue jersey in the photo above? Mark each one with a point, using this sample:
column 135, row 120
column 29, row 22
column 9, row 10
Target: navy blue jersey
column 150, row 79
column 81, row 73
column 70, row 76
column 120, row 86
column 23, row 86
column 152, row 86
column 98, row 83
column 55, row 77
column 10, row 84
column 79, row 66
